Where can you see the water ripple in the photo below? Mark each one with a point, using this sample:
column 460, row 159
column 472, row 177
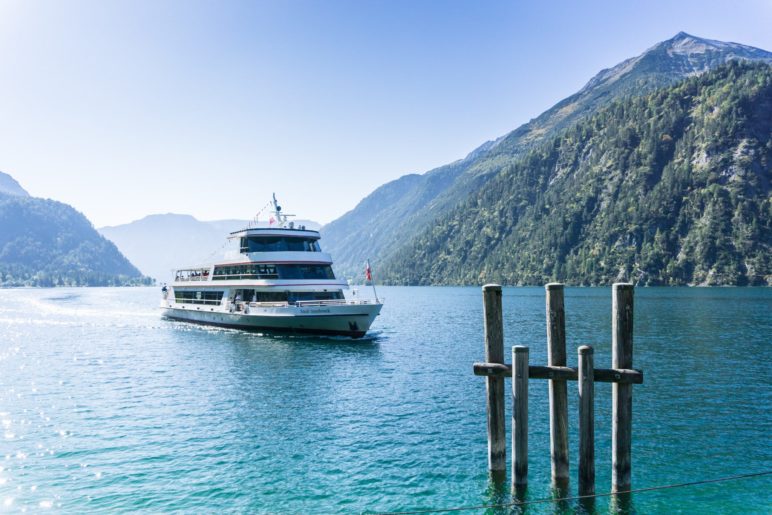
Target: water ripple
column 106, row 407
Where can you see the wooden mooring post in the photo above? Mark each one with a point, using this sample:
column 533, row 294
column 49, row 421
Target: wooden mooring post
column 622, row 375
column 621, row 394
column 558, row 389
column 519, row 417
column 494, row 387
column 586, row 421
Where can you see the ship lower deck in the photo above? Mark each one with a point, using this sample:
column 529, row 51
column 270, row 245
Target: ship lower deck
column 344, row 319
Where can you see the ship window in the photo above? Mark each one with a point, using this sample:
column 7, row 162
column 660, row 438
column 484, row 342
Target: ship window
column 193, row 274
column 263, row 271
column 270, row 296
column 197, row 297
column 305, row 272
column 315, row 295
column 278, row 244
column 291, row 297
column 249, row 271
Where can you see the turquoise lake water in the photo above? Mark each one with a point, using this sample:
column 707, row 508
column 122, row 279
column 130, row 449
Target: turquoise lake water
column 105, row 407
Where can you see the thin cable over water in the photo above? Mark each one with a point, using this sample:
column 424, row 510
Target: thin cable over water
column 574, row 498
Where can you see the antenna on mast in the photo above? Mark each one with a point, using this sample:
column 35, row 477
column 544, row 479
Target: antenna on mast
column 281, row 218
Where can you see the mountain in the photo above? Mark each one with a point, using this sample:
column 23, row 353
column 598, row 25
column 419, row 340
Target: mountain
column 670, row 188
column 158, row 244
column 9, row 186
column 48, row 243
column 390, row 217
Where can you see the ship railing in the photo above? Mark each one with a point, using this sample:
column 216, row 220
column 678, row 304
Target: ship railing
column 209, row 302
column 336, row 302
column 277, row 304
column 237, row 277
column 183, row 279
column 304, row 303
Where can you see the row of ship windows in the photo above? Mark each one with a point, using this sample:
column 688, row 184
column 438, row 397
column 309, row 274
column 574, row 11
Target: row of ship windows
column 198, row 297
column 215, row 297
column 259, row 271
column 278, row 244
column 286, row 296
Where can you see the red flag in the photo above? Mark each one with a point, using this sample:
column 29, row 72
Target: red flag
column 368, row 272
column 271, row 221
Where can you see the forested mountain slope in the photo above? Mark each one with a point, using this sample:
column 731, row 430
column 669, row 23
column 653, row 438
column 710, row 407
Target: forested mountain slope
column 670, row 188
column 387, row 219
column 48, row 243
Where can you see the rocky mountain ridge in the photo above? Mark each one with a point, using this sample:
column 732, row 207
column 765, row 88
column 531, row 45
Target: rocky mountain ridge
column 9, row 186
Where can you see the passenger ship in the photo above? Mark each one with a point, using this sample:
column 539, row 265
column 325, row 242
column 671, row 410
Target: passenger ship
column 280, row 282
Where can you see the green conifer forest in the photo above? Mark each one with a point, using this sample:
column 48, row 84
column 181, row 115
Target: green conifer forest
column 671, row 188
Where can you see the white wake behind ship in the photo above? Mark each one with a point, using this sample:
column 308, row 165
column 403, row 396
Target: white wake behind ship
column 281, row 281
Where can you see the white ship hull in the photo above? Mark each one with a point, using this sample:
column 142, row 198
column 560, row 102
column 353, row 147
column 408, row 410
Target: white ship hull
column 351, row 319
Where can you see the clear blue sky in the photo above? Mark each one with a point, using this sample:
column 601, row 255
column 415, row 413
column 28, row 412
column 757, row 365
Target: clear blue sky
column 129, row 108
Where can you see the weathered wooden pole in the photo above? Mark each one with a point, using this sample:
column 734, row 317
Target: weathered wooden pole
column 621, row 393
column 558, row 394
column 586, row 421
column 519, row 417
column 494, row 386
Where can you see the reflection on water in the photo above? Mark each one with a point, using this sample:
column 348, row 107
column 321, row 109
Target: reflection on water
column 104, row 406
column 586, row 506
column 62, row 297
column 500, row 498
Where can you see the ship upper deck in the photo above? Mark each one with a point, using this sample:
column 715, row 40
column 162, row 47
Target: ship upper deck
column 289, row 232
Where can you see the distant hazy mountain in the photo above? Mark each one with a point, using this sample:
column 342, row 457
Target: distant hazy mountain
column 158, row 244
column 388, row 219
column 671, row 188
column 9, row 186
column 48, row 243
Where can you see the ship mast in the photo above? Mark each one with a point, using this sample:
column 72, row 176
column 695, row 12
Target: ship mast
column 281, row 218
